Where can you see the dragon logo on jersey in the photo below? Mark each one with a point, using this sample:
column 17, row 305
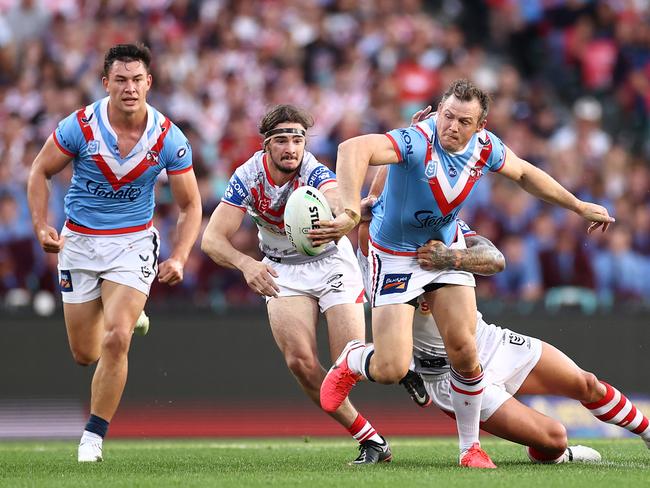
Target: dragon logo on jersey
column 395, row 283
column 475, row 174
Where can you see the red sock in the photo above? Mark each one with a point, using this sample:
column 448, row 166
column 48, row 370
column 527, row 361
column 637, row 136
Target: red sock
column 615, row 408
column 362, row 430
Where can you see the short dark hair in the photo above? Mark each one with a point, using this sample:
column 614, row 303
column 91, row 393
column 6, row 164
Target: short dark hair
column 466, row 91
column 127, row 53
column 285, row 113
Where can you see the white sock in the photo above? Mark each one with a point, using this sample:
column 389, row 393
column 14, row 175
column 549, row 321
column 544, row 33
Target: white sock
column 88, row 436
column 357, row 358
column 466, row 398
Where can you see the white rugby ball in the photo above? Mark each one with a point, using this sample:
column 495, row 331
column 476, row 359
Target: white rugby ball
column 305, row 206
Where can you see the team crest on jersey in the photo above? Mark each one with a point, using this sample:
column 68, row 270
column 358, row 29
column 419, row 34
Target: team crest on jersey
column 93, row 146
column 152, row 158
column 452, row 171
column 65, row 282
column 395, row 283
column 430, row 169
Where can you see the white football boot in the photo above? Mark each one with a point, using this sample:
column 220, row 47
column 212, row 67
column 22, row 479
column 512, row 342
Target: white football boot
column 90, row 452
column 573, row 454
column 142, row 325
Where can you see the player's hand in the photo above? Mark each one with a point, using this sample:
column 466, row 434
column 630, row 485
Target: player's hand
column 596, row 214
column 49, row 239
column 170, row 272
column 366, row 207
column 259, row 277
column 332, row 230
column 421, row 115
column 435, row 255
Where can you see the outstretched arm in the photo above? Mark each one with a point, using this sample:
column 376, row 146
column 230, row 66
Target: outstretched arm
column 542, row 185
column 481, row 257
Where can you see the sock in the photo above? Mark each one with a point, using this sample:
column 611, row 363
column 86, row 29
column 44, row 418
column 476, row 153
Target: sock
column 367, row 354
column 357, row 357
column 615, row 408
column 539, row 457
column 466, row 397
column 363, row 431
column 96, row 425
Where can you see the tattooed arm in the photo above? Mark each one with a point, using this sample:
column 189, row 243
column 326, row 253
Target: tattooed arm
column 481, row 257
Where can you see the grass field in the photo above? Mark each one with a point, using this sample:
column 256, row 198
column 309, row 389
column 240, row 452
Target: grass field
column 316, row 462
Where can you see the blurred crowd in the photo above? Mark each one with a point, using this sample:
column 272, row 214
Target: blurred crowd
column 570, row 81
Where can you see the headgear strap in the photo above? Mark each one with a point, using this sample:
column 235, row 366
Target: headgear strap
column 284, row 131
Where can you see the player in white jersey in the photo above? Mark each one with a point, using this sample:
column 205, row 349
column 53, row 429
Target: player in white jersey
column 108, row 249
column 296, row 287
column 434, row 167
column 514, row 364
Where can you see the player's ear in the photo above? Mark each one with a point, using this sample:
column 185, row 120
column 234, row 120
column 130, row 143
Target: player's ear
column 105, row 83
column 481, row 125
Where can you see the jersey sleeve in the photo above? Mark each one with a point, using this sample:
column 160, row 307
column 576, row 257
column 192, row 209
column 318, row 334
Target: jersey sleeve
column 322, row 178
column 237, row 193
column 497, row 157
column 177, row 152
column 410, row 145
column 465, row 229
column 68, row 136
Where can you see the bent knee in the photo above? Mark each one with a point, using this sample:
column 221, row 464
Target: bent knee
column 463, row 357
column 83, row 358
column 305, row 368
column 388, row 374
column 117, row 342
column 589, row 388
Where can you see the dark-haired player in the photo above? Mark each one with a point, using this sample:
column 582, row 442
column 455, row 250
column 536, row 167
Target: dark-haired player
column 108, row 249
column 296, row 287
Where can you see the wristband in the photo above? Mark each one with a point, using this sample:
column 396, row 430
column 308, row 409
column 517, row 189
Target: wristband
column 356, row 218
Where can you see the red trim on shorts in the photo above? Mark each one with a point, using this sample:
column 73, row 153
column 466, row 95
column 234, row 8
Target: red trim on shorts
column 395, row 146
column 390, row 251
column 106, row 232
column 360, row 297
column 179, row 171
column 60, row 146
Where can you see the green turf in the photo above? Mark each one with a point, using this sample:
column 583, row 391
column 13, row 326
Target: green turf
column 316, row 462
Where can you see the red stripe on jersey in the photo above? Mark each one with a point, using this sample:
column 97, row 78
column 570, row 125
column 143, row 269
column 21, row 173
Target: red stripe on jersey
column 105, row 168
column 266, row 171
column 107, row 232
column 643, row 426
column 445, row 206
column 396, row 147
column 609, row 395
column 426, row 137
column 60, row 146
column 179, row 171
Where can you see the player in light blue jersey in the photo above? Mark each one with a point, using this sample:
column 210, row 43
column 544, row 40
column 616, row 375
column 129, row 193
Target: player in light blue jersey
column 434, row 168
column 108, row 248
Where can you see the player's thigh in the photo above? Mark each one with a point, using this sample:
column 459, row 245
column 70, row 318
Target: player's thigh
column 454, row 309
column 345, row 322
column 554, row 374
column 293, row 324
column 519, row 423
column 392, row 334
column 84, row 325
column 122, row 306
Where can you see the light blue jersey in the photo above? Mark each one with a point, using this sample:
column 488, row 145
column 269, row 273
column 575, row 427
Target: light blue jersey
column 425, row 191
column 109, row 194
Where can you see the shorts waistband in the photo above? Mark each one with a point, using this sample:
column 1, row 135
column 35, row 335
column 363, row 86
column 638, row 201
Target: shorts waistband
column 82, row 229
column 300, row 259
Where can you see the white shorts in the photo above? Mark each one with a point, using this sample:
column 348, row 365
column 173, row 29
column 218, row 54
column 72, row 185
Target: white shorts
column 399, row 279
column 86, row 260
column 332, row 280
column 507, row 359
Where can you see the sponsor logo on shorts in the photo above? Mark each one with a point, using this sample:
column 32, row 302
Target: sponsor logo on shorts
column 65, row 281
column 146, row 271
column 335, row 282
column 516, row 339
column 395, row 283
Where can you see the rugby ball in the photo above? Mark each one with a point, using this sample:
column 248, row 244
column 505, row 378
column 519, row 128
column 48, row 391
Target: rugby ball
column 305, row 206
